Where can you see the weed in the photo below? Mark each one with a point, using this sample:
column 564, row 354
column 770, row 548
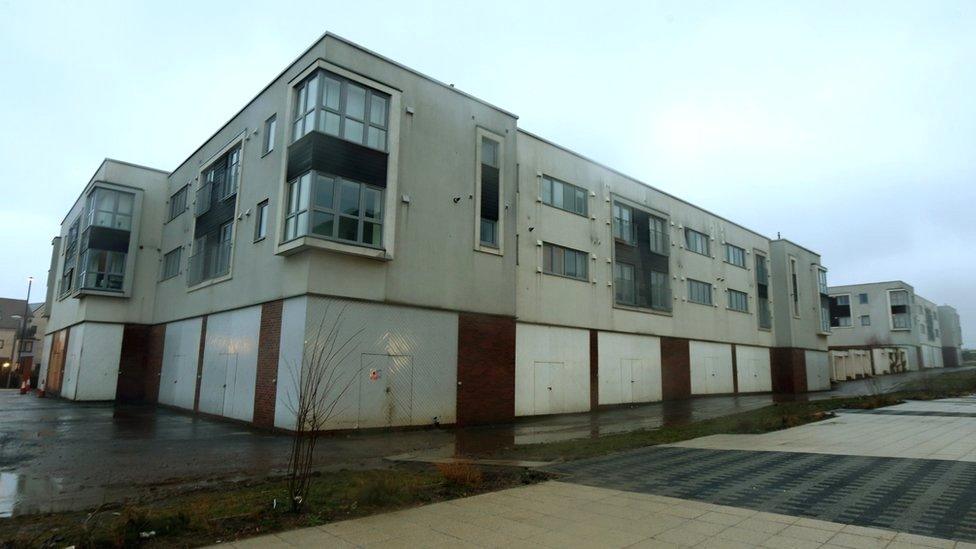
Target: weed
column 461, row 475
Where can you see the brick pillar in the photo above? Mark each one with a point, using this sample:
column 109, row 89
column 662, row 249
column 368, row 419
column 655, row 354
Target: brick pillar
column 266, row 381
column 155, row 341
column 130, row 385
column 675, row 368
column 788, row 369
column 485, row 369
column 594, row 369
column 203, row 344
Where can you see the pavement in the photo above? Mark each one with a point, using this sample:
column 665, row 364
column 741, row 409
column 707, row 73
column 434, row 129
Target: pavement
column 59, row 455
column 842, row 482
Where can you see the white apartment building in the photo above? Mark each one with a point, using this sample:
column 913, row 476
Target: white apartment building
column 469, row 271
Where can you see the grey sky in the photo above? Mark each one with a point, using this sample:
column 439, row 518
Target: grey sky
column 850, row 127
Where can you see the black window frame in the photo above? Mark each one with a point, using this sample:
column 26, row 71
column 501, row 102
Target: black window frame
column 178, row 202
column 548, row 261
column 704, row 238
column 575, row 190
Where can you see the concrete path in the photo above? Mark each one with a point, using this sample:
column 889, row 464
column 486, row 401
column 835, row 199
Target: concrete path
column 562, row 515
column 943, row 429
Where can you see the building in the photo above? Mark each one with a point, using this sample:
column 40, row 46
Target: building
column 456, row 269
column 885, row 327
column 951, row 335
column 20, row 344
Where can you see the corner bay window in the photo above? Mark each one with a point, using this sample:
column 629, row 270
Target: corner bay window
column 334, row 208
column 103, row 270
column 110, row 208
column 338, row 106
column 900, row 314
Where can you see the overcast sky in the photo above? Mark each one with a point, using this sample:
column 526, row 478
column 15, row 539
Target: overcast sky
column 849, row 127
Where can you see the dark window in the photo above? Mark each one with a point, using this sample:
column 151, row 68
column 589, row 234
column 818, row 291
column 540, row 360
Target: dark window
column 171, row 263
column 862, row 299
column 489, row 174
column 177, row 203
column 660, row 242
column 840, row 311
column 625, row 291
column 735, row 255
column 563, row 195
column 340, row 209
column 623, row 223
column 696, row 241
column 738, row 301
column 762, row 293
column 562, row 261
column 660, row 291
column 699, row 292
column 270, row 129
column 261, row 221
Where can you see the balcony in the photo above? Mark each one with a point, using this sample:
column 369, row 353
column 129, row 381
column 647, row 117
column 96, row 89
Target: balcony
column 202, row 204
column 211, row 262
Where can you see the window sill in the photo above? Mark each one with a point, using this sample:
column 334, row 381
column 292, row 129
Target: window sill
column 260, row 239
column 101, row 293
column 489, row 250
column 304, row 243
column 738, row 311
column 210, row 282
column 566, row 277
column 743, row 267
column 700, row 303
column 583, row 215
column 646, row 310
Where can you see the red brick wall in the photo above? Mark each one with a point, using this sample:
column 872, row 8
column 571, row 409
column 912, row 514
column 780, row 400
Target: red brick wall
column 266, row 382
column 594, row 369
column 155, row 339
column 130, row 386
column 203, row 344
column 675, row 368
column 485, row 369
column 788, row 367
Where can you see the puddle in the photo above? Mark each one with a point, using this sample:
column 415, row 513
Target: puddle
column 23, row 494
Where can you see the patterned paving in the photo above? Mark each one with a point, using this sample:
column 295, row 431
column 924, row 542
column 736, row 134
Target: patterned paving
column 921, row 496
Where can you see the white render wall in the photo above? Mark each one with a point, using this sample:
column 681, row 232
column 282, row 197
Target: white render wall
column 396, row 366
column 91, row 369
column 752, row 366
column 178, row 375
column 552, row 370
column 230, row 360
column 630, row 368
column 931, row 356
column 711, row 368
column 818, row 371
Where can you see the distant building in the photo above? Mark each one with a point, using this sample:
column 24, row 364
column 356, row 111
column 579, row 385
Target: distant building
column 483, row 272
column 951, row 336
column 21, row 346
column 884, row 327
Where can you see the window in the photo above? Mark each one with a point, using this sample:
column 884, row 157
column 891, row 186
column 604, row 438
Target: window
column 735, row 255
column 865, row 319
column 70, row 258
column 340, row 209
column 177, row 203
column 110, row 208
column 738, row 301
column 261, row 221
column 623, row 223
column 27, row 346
column 862, row 299
column 625, row 290
column 699, row 292
column 211, row 255
column 219, row 180
column 490, row 184
column 659, row 235
column 696, row 241
column 171, row 263
column 103, row 270
column 794, row 288
column 270, row 129
column 340, row 107
column 824, row 300
column 762, row 293
column 563, row 195
column 840, row 311
column 562, row 261
column 660, row 291
column 900, row 314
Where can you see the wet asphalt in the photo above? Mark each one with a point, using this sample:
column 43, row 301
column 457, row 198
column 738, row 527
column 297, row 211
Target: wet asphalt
column 61, row 455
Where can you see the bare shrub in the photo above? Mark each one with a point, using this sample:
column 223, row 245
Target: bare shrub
column 462, row 475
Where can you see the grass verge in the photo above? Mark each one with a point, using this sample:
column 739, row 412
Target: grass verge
column 781, row 415
column 248, row 509
column 243, row 510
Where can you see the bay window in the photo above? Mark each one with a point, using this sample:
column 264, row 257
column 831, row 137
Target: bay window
column 334, row 208
column 336, row 106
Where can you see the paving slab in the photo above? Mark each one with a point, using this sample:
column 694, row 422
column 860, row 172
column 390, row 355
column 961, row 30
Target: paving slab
column 661, row 528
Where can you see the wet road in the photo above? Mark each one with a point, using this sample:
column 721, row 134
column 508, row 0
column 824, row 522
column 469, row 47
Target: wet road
column 56, row 454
